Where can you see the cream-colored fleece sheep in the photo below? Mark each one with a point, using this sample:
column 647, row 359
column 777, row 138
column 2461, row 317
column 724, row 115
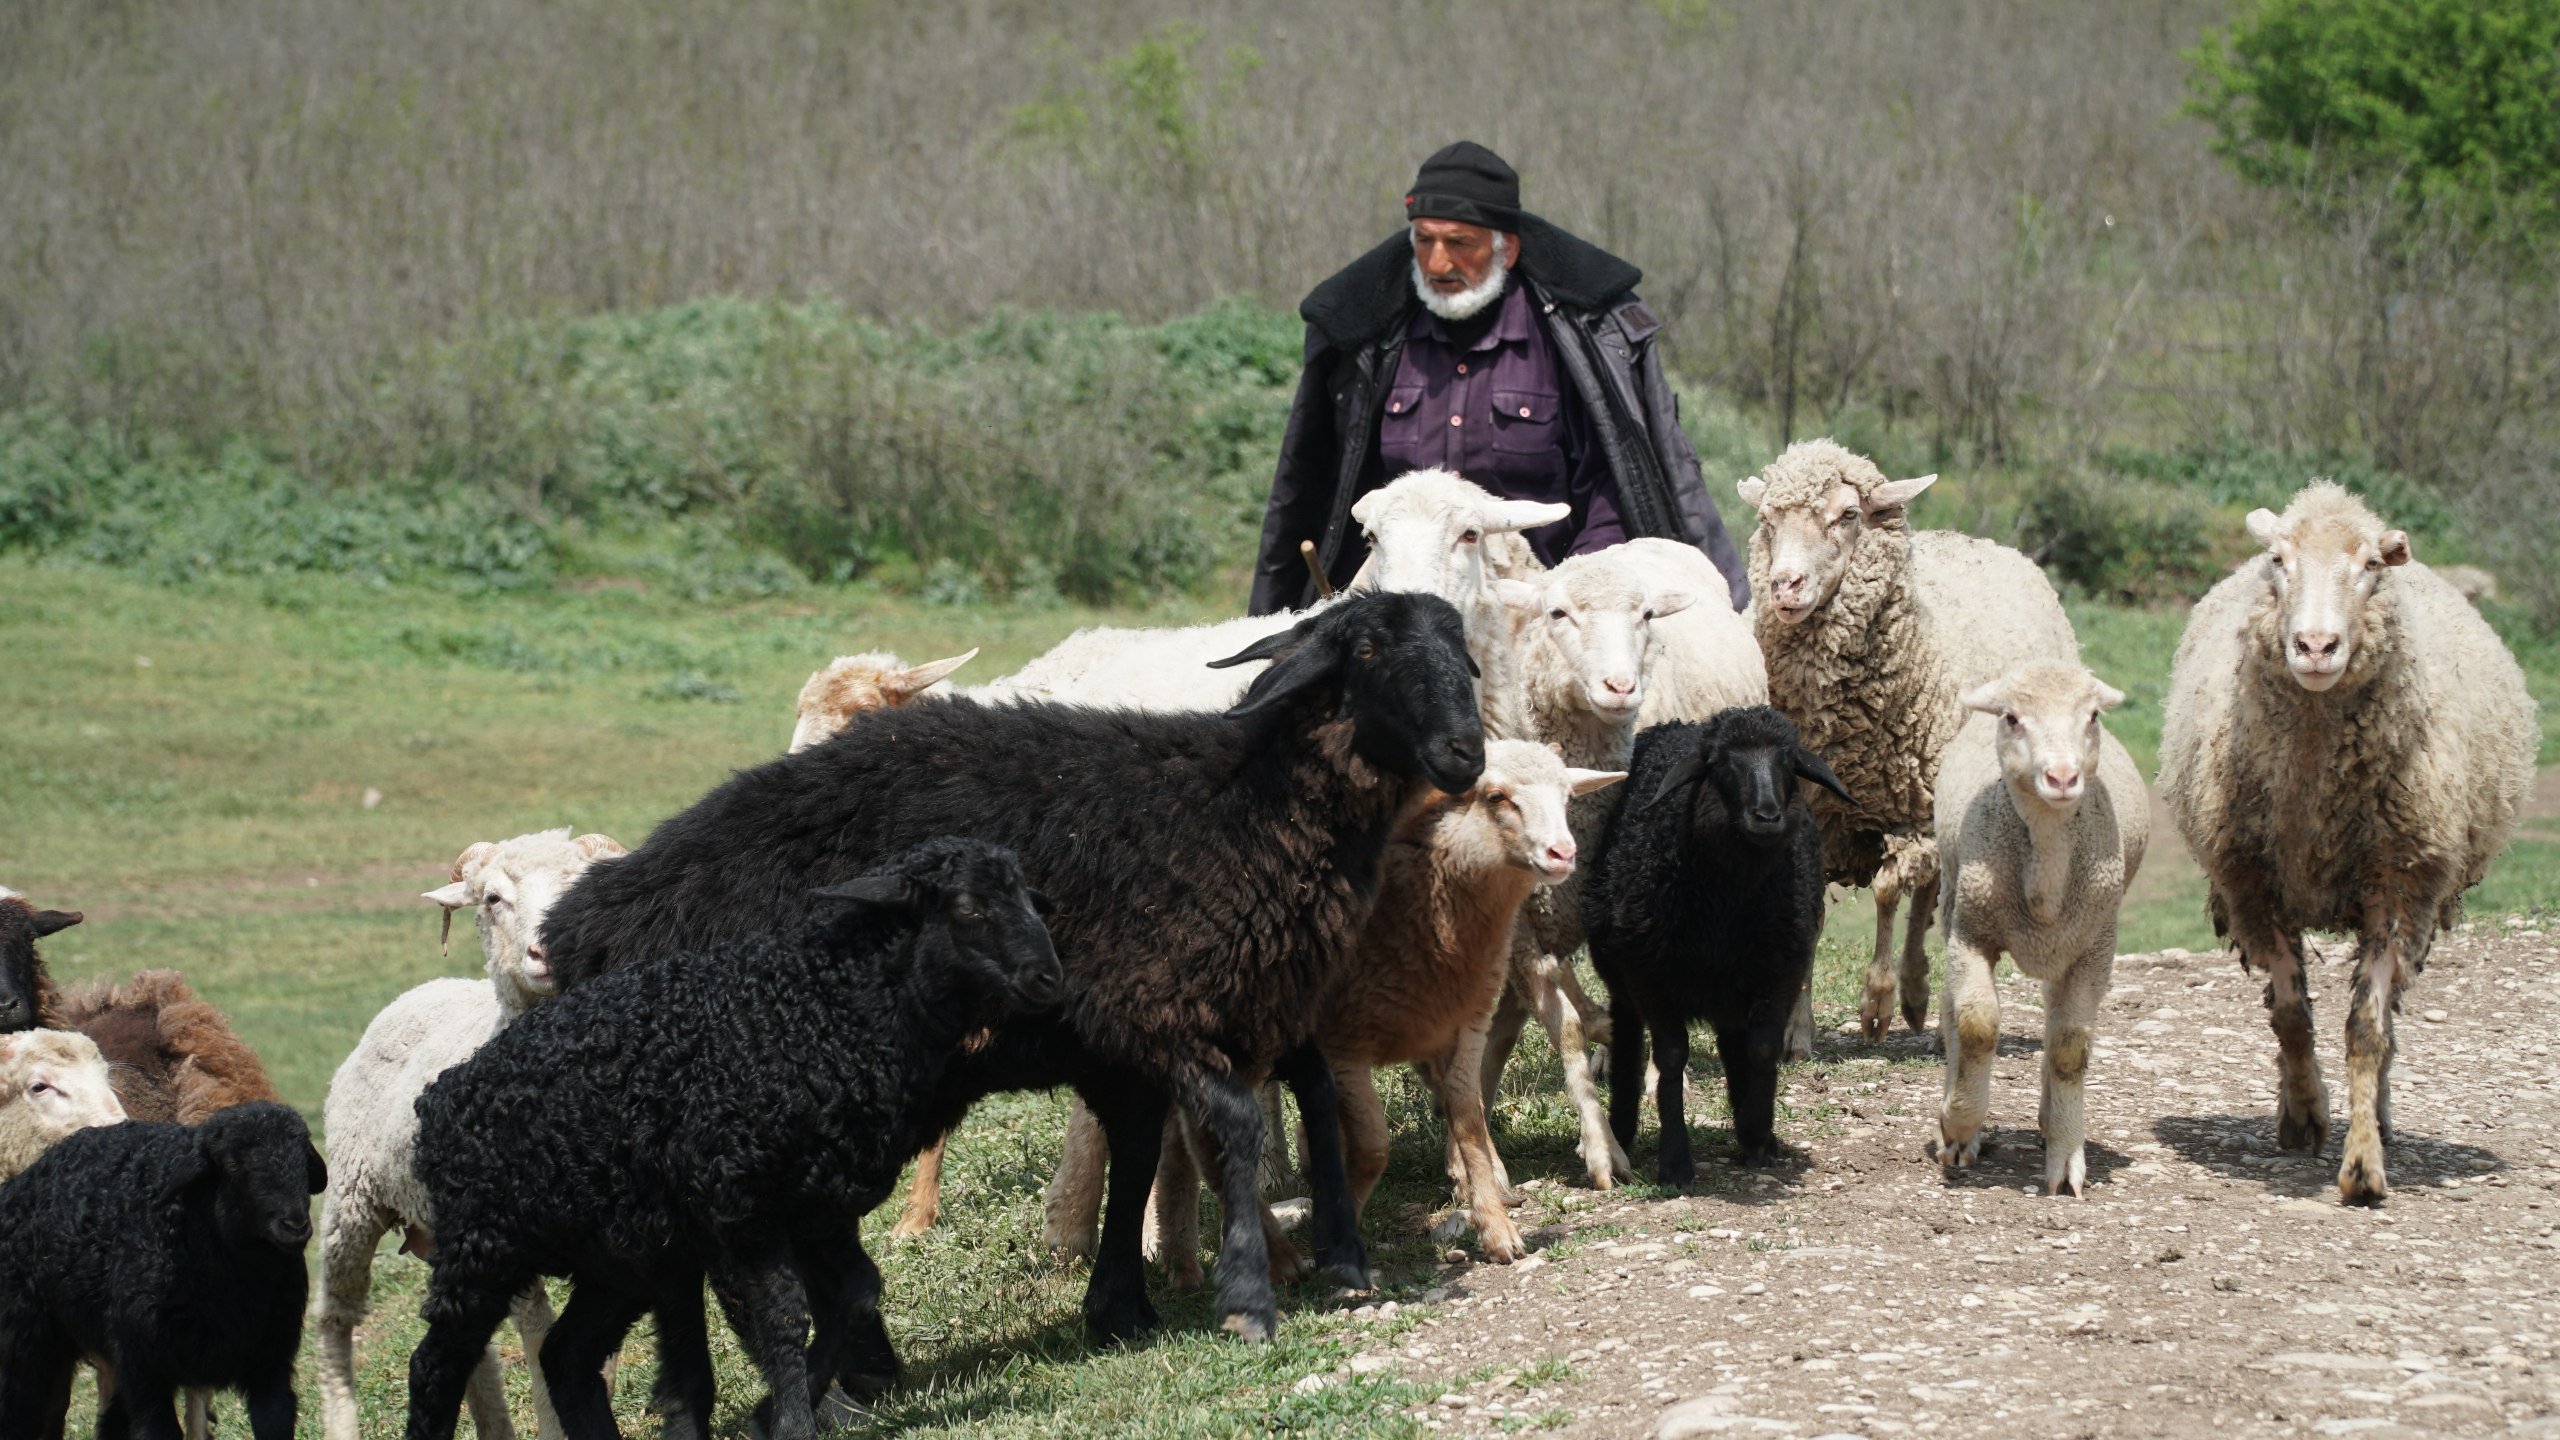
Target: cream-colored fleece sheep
column 372, row 1115
column 2346, row 747
column 855, row 684
column 2042, row 821
column 1890, row 625
column 52, row 1082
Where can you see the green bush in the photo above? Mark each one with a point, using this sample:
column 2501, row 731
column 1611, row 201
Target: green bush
column 2125, row 538
column 2452, row 102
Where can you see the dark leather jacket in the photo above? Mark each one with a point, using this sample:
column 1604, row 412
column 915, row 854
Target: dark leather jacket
column 1603, row 341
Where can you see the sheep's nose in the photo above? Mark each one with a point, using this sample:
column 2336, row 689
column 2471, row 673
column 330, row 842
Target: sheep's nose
column 537, row 951
column 2316, row 644
column 1562, row 853
column 1767, row 815
column 1619, row 684
column 13, row 1013
column 2064, row 778
column 1784, row 581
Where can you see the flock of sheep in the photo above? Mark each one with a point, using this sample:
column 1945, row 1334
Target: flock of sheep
column 1170, row 868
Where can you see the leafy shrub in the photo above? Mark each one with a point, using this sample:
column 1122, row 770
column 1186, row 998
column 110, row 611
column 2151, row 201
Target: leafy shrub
column 2125, row 538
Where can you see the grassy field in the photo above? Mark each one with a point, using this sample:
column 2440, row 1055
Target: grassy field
column 190, row 766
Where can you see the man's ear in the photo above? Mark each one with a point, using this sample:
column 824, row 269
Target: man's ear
column 1510, row 248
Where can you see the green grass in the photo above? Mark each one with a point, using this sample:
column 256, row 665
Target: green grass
column 188, row 765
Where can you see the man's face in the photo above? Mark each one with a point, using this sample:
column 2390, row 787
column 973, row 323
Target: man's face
column 1455, row 256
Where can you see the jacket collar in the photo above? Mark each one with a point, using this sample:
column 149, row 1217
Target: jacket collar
column 1364, row 298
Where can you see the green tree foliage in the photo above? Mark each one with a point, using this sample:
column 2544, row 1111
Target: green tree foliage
column 2447, row 103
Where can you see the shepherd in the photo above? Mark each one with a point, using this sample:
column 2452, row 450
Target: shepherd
column 1484, row 340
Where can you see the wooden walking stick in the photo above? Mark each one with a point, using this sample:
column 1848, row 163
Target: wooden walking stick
column 1307, row 552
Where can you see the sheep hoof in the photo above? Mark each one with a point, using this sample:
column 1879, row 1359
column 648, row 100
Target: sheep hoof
column 1915, row 1011
column 2302, row 1130
column 1872, row 1013
column 1187, row 1276
column 1126, row 1318
column 1287, row 1266
column 911, row 1225
column 2070, row 1177
column 1954, row 1155
column 1499, row 1239
column 1343, row 1275
column 2361, row 1180
column 1254, row 1327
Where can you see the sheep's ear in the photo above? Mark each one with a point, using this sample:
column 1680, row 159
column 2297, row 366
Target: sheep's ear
column 1670, row 602
column 1364, row 507
column 1041, row 904
column 916, row 679
column 1583, row 782
column 193, row 1170
column 1751, row 489
column 1683, row 775
column 891, row 891
column 2109, row 697
column 456, row 896
column 315, row 1171
column 1262, row 649
column 49, row 921
column 1509, row 516
column 1809, row 766
column 2395, row 547
column 1985, row 697
column 1894, row 494
column 1519, row 594
column 2265, row 528
column 599, row 847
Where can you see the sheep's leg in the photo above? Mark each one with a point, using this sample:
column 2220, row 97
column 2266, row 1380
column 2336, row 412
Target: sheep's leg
column 1072, row 1207
column 1334, row 1219
column 1673, row 1165
column 1279, row 1180
column 1603, row 1159
column 1173, row 1209
column 198, row 1403
column 2302, row 1101
column 590, row 1327
column 1915, row 956
column 1799, row 1041
column 1223, row 1106
column 774, row 1309
column 1626, row 1069
column 1364, row 1130
column 924, row 1195
column 533, row 1322
column 2381, row 967
column 1479, row 1183
column 2071, row 1004
column 36, row 1373
column 686, row 1387
column 1750, row 1052
column 1972, row 1013
column 348, row 1235
column 1502, row 1032
column 1115, row 1299
column 460, row 1320
column 270, row 1403
column 844, row 1296
column 1875, row 1009
column 150, row 1404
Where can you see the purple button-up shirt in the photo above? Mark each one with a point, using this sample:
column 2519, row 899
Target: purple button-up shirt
column 1498, row 412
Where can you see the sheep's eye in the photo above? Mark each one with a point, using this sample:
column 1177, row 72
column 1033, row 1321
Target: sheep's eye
column 1648, row 615
column 39, row 1088
column 2374, row 564
column 1557, row 613
column 2009, row 720
column 1365, row 651
column 968, row 910
column 494, row 900
column 1469, row 538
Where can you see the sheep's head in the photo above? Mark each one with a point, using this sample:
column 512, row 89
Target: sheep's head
column 980, row 928
column 1598, row 613
column 61, row 1079
column 854, row 684
column 1739, row 776
column 2047, row 730
column 510, row 885
column 2326, row 555
column 1426, row 533
column 1522, row 803
column 1394, row 664
column 259, row 1160
column 1816, row 502
column 22, row 977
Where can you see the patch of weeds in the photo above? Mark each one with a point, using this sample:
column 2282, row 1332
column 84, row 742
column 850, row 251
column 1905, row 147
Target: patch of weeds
column 1552, row 1370
column 691, row 685
column 952, row 585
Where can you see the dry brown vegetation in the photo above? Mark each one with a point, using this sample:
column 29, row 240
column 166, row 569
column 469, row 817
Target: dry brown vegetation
column 1982, row 223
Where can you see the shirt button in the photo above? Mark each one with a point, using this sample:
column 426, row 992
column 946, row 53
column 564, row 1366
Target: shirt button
column 1462, row 369
column 1524, row 412
column 1457, row 420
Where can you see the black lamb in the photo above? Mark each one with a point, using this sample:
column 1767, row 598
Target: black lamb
column 28, row 1000
column 715, row 1113
column 1703, row 903
column 1212, row 874
column 172, row 1252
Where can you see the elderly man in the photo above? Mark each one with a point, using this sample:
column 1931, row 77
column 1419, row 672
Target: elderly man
column 1487, row 341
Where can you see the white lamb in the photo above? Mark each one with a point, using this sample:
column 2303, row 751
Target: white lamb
column 852, row 684
column 1870, row 631
column 372, row 1109
column 2041, row 824
column 2347, row 745
column 52, row 1082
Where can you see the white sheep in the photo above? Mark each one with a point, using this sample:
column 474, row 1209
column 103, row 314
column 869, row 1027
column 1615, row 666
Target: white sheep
column 1869, row 632
column 852, row 684
column 1586, row 637
column 2346, row 747
column 372, row 1109
column 52, row 1082
column 2041, row 824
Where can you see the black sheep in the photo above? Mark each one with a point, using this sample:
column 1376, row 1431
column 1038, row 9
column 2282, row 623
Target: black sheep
column 714, row 1112
column 174, row 1253
column 1211, row 874
column 28, row 1000
column 1704, row 902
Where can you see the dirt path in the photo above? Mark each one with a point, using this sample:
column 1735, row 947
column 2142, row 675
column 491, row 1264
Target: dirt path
column 2209, row 1284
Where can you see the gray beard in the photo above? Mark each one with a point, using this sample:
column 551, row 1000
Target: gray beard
column 1467, row 303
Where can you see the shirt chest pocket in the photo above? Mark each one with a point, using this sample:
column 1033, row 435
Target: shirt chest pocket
column 1527, row 422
